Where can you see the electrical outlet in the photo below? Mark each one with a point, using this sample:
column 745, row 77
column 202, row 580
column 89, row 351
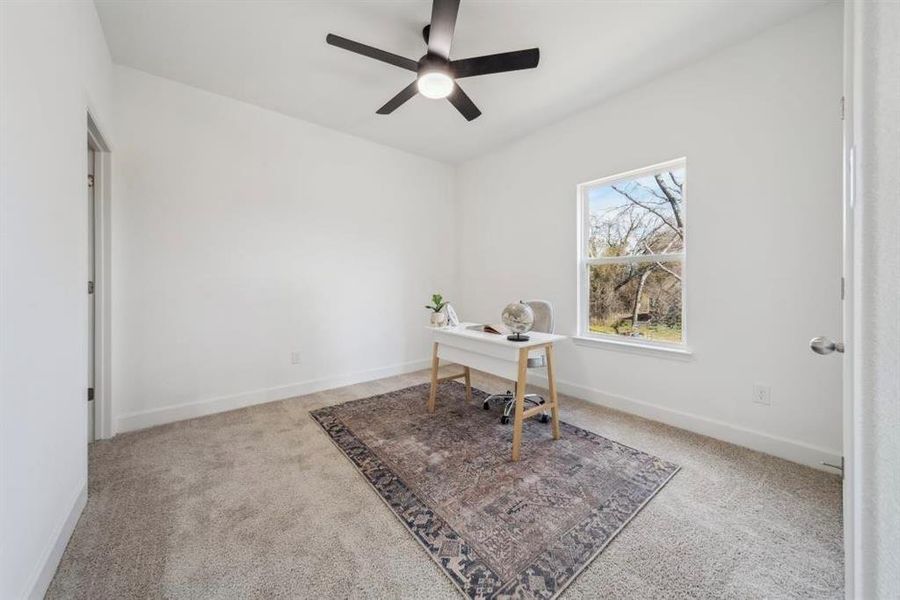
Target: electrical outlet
column 295, row 358
column 762, row 394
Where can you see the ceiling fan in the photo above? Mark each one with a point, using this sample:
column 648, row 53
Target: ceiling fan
column 436, row 74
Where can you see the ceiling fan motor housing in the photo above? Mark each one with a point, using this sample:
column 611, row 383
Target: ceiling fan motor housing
column 432, row 62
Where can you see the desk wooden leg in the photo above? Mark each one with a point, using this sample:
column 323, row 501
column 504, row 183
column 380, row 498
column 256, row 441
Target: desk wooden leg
column 468, row 384
column 554, row 400
column 435, row 361
column 521, row 382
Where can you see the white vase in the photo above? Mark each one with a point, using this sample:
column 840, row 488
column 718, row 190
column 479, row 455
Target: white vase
column 438, row 319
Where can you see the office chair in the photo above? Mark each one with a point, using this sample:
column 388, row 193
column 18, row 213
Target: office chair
column 543, row 323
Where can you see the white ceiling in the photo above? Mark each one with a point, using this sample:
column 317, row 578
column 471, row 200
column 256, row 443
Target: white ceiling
column 273, row 54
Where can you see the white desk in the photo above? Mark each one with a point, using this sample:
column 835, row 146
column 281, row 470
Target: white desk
column 467, row 345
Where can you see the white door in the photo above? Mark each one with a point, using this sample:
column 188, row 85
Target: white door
column 844, row 349
column 90, row 289
column 852, row 554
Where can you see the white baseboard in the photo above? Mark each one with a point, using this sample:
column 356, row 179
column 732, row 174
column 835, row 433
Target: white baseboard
column 794, row 451
column 200, row 408
column 51, row 556
column 787, row 449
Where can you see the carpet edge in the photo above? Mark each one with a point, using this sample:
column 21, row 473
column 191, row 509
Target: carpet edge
column 410, row 532
column 614, row 534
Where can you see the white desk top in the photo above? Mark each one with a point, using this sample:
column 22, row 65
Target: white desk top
column 473, row 331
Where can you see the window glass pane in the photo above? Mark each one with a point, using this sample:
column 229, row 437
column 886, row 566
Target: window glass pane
column 641, row 300
column 644, row 215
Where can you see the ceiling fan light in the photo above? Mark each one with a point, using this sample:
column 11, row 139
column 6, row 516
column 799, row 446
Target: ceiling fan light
column 435, row 84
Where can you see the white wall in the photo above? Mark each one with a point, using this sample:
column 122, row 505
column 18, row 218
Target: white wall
column 55, row 66
column 241, row 235
column 877, row 368
column 760, row 127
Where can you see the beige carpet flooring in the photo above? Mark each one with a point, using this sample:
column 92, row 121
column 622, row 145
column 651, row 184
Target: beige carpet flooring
column 258, row 503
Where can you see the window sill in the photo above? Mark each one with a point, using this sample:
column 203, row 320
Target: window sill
column 678, row 353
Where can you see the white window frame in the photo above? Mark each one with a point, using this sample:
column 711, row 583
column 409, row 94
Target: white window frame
column 585, row 336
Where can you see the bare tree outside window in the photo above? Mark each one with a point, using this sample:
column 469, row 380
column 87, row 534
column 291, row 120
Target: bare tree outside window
column 632, row 254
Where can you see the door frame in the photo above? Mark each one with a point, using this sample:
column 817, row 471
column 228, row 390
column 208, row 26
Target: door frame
column 852, row 90
column 102, row 268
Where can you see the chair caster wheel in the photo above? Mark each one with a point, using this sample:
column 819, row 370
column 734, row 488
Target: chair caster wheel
column 545, row 418
column 485, row 405
column 504, row 420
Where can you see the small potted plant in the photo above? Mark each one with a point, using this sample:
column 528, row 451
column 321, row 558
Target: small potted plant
column 438, row 316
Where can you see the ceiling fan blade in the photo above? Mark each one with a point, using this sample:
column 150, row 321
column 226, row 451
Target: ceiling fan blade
column 443, row 22
column 383, row 56
column 395, row 102
column 463, row 103
column 496, row 63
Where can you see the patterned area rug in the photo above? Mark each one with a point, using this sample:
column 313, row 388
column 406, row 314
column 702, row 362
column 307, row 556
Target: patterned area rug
column 498, row 529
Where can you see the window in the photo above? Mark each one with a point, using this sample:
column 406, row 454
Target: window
column 631, row 257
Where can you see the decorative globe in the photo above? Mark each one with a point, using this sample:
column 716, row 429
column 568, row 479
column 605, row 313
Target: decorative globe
column 519, row 317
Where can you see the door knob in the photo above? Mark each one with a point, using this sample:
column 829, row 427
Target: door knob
column 823, row 345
